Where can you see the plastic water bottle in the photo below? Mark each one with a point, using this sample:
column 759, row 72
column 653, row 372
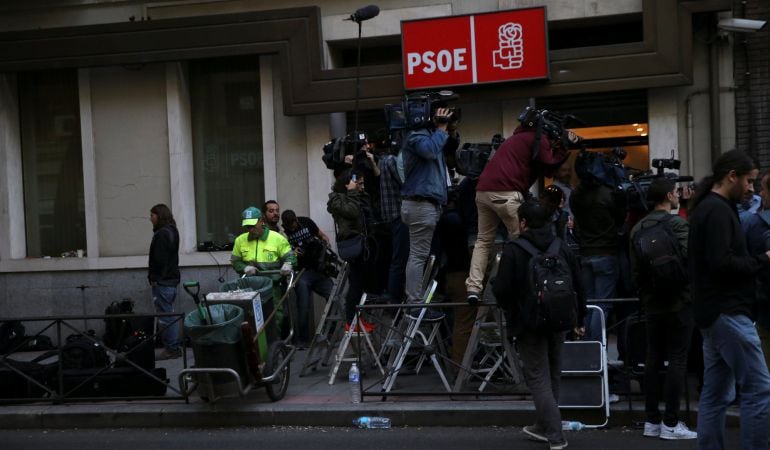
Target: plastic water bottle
column 354, row 377
column 572, row 425
column 372, row 422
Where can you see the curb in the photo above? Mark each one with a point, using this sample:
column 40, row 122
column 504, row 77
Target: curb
column 236, row 414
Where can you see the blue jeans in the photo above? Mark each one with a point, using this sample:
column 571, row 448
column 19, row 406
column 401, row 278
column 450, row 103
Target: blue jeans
column 421, row 219
column 399, row 238
column 163, row 298
column 732, row 354
column 310, row 281
column 600, row 277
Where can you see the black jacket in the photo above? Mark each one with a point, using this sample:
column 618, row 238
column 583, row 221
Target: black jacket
column 164, row 256
column 599, row 216
column 722, row 272
column 511, row 278
column 347, row 210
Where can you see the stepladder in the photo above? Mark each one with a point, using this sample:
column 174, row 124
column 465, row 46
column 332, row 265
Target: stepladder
column 363, row 342
column 330, row 327
column 489, row 336
column 419, row 334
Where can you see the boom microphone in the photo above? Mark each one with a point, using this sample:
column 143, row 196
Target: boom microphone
column 365, row 13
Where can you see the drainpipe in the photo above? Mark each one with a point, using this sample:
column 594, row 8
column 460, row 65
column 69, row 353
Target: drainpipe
column 714, row 100
column 690, row 126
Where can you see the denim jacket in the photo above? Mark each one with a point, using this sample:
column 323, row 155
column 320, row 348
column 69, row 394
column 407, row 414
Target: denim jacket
column 424, row 167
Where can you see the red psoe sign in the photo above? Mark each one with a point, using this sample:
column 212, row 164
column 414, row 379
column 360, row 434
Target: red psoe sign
column 480, row 48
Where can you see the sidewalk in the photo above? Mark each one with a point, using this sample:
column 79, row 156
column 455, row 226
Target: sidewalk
column 310, row 401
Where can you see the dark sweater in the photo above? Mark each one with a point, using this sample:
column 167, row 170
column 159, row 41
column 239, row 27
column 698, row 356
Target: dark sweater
column 599, row 217
column 513, row 168
column 512, row 278
column 164, row 256
column 723, row 273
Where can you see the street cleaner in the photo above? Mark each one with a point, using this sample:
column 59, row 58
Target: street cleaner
column 260, row 249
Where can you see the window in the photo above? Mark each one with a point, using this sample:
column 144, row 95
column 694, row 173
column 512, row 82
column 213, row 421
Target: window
column 227, row 145
column 52, row 162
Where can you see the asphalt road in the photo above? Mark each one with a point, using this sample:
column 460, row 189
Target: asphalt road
column 316, row 438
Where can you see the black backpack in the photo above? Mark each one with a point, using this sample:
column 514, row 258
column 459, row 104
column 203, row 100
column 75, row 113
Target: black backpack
column 82, row 353
column 117, row 329
column 11, row 335
column 662, row 265
column 551, row 300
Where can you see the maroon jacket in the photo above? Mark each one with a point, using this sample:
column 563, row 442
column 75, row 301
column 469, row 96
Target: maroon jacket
column 512, row 168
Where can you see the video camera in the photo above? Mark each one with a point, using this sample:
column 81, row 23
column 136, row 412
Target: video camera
column 602, row 169
column 636, row 188
column 417, row 109
column 552, row 123
column 336, row 149
column 471, row 159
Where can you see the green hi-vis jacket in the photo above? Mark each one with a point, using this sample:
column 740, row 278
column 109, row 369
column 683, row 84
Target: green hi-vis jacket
column 269, row 252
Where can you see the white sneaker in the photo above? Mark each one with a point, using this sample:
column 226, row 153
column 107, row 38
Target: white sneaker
column 680, row 431
column 651, row 429
column 614, row 398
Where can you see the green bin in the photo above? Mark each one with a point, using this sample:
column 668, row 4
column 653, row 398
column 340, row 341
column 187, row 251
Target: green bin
column 218, row 346
column 263, row 285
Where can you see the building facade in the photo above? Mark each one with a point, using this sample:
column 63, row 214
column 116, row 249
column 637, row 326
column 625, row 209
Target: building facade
column 210, row 106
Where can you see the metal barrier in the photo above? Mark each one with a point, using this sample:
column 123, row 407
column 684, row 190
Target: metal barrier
column 62, row 385
column 501, row 378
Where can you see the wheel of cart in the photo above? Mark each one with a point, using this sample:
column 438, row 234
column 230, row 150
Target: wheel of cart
column 263, row 358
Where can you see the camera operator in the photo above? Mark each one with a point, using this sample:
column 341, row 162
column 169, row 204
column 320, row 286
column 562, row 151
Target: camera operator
column 364, row 162
column 599, row 218
column 502, row 188
column 423, row 194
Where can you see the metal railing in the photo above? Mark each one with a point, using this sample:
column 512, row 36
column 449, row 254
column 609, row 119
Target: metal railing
column 52, row 382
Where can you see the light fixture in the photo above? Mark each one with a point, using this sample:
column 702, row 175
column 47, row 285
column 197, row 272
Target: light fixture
column 640, row 129
column 741, row 25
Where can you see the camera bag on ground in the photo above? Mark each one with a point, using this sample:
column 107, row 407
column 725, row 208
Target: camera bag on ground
column 11, row 335
column 551, row 302
column 114, row 382
column 14, row 385
column 662, row 263
column 130, row 335
column 80, row 352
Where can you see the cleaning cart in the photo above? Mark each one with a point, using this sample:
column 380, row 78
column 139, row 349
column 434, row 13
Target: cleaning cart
column 236, row 339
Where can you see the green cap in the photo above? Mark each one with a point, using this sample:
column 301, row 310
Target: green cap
column 251, row 216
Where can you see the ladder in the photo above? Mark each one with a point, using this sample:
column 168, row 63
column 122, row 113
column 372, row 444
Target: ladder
column 330, row 327
column 421, row 340
column 356, row 329
column 504, row 358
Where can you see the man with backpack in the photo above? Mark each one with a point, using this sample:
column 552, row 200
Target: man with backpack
column 659, row 266
column 538, row 285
